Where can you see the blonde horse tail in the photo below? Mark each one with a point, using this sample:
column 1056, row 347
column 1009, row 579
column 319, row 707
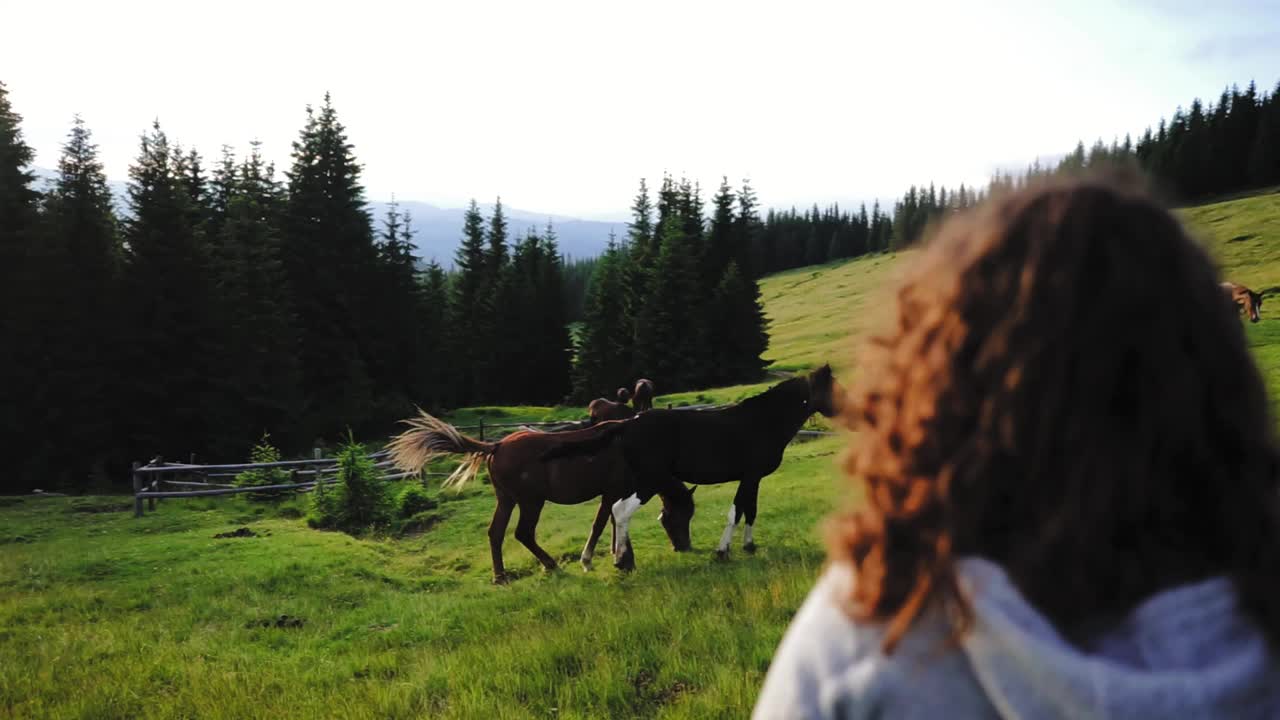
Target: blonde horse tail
column 429, row 437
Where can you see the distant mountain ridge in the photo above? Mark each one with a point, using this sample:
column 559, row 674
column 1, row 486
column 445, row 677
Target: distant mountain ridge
column 438, row 230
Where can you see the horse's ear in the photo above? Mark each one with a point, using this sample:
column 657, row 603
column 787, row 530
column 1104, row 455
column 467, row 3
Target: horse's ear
column 692, row 490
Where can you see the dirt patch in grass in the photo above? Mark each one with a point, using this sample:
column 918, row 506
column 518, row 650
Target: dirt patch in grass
column 283, row 621
column 237, row 533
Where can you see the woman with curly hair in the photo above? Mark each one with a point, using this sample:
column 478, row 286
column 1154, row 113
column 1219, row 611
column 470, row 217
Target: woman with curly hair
column 1069, row 478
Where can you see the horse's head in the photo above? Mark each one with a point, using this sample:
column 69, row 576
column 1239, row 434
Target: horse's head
column 825, row 394
column 677, row 513
column 624, row 395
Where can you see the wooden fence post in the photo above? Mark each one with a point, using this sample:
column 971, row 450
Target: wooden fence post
column 154, row 487
column 137, row 488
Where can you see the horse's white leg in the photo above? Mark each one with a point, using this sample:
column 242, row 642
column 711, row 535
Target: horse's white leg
column 727, row 537
column 622, row 512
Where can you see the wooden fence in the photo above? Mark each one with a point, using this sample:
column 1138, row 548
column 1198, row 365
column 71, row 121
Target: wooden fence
column 151, row 479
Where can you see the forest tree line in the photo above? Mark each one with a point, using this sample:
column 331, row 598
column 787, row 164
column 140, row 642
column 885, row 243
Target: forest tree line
column 233, row 300
column 1205, row 150
column 228, row 301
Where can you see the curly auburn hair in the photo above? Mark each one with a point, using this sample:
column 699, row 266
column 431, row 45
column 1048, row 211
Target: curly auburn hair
column 1063, row 390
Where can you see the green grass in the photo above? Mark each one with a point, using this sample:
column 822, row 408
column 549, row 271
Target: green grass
column 105, row 616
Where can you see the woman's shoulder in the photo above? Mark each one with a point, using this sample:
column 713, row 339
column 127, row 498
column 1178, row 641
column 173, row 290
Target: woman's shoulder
column 830, row 666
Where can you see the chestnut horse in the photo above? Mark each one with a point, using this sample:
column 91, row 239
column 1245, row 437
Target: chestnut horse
column 602, row 409
column 1245, row 299
column 521, row 478
column 743, row 442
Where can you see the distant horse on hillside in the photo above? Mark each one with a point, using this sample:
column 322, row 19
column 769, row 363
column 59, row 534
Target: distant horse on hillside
column 643, row 398
column 521, row 478
column 742, row 442
column 602, row 409
column 1247, row 300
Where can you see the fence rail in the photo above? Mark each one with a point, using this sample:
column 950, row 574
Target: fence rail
column 148, row 479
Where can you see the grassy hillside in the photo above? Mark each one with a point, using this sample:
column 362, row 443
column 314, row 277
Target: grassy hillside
column 105, row 616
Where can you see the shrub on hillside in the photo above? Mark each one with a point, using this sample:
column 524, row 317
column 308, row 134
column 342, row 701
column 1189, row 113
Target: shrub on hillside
column 263, row 452
column 413, row 499
column 359, row 501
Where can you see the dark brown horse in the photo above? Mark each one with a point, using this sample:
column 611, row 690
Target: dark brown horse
column 643, row 398
column 521, row 478
column 602, row 409
column 1247, row 300
column 742, row 442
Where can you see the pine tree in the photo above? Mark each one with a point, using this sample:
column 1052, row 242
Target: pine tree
column 635, row 268
column 435, row 323
column 666, row 331
column 606, row 336
column 720, row 246
column 747, row 239
column 259, row 367
column 467, row 305
column 552, row 355
column 497, row 323
column 740, row 336
column 223, row 185
column 331, row 264
column 1264, row 153
column 81, row 272
column 21, row 301
column 397, row 362
column 171, row 339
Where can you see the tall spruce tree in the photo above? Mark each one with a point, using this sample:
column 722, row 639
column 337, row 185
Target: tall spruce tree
column 606, row 335
column 81, row 271
column 635, row 268
column 498, row 323
column 397, row 360
column 331, row 264
column 260, row 355
column 435, row 323
column 21, row 300
column 746, row 231
column 721, row 241
column 171, row 339
column 740, row 334
column 666, row 330
column 467, row 305
column 552, row 354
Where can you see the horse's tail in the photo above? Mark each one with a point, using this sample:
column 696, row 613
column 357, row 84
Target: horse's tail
column 586, row 446
column 428, row 437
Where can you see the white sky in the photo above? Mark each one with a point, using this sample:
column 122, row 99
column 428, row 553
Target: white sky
column 562, row 106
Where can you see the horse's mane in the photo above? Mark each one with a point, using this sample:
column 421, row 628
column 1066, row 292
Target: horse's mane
column 775, row 393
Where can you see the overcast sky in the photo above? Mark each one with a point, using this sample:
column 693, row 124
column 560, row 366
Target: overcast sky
column 562, row 106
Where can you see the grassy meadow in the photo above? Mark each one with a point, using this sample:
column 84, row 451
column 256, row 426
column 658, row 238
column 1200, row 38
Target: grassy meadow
column 107, row 616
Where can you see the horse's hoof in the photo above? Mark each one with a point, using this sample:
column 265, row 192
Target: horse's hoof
column 749, row 548
column 501, row 579
column 549, row 569
column 586, row 566
column 722, row 555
